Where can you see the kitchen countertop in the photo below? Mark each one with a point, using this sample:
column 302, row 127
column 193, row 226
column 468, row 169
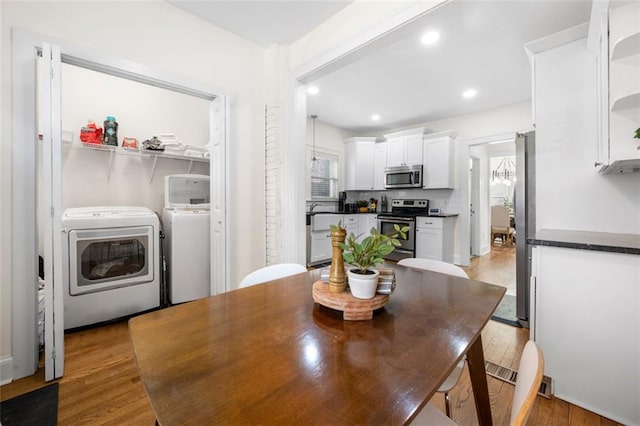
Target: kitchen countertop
column 587, row 240
column 435, row 215
column 315, row 213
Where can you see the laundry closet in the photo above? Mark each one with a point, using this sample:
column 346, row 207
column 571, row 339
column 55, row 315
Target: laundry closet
column 113, row 196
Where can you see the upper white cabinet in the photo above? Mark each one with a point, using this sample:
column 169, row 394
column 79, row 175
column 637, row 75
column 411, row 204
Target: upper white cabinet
column 619, row 94
column 439, row 163
column 405, row 148
column 359, row 156
column 379, row 163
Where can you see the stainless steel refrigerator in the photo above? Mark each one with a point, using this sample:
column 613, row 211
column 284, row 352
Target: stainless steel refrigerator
column 525, row 219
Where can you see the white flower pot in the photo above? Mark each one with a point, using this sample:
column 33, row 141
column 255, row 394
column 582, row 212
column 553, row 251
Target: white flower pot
column 363, row 286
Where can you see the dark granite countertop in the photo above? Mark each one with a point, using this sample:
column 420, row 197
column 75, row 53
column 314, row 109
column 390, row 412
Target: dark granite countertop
column 315, row 213
column 441, row 215
column 587, row 240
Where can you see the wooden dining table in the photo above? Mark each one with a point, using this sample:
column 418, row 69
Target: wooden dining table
column 267, row 354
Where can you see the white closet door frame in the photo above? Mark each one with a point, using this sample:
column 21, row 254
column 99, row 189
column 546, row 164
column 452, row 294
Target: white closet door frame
column 24, row 250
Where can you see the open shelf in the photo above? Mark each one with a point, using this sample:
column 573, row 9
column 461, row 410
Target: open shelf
column 133, row 152
column 625, row 47
column 631, row 100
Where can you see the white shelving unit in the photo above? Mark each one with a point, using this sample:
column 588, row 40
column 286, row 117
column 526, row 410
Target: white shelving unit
column 116, row 150
column 621, row 86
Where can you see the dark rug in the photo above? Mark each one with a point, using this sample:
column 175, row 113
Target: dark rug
column 506, row 311
column 38, row 407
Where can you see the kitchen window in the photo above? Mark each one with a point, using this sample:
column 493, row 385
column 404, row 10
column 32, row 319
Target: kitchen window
column 323, row 173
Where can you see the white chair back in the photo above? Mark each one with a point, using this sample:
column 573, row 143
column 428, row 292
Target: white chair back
column 272, row 272
column 434, row 265
column 527, row 383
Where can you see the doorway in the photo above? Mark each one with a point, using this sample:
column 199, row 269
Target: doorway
column 25, row 126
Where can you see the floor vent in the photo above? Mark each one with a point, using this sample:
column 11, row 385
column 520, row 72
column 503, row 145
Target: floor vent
column 510, row 376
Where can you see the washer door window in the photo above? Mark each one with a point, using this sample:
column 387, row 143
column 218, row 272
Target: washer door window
column 103, row 259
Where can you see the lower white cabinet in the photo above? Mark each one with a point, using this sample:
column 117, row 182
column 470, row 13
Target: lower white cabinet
column 320, row 246
column 584, row 317
column 365, row 223
column 350, row 223
column 434, row 238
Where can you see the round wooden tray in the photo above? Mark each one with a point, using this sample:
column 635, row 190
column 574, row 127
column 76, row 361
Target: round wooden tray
column 353, row 308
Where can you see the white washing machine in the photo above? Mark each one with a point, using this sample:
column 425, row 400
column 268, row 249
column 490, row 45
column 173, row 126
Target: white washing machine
column 186, row 223
column 111, row 263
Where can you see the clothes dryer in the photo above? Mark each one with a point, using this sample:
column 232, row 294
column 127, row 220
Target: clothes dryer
column 111, row 263
column 186, row 221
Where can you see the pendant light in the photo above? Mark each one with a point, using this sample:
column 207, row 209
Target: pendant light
column 313, row 117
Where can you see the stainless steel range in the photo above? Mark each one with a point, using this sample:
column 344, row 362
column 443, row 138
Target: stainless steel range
column 403, row 213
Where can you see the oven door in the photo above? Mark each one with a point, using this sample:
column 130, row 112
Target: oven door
column 104, row 259
column 407, row 245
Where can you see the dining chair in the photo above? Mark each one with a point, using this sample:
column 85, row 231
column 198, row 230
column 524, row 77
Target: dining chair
column 501, row 224
column 272, row 272
column 449, row 269
column 528, row 381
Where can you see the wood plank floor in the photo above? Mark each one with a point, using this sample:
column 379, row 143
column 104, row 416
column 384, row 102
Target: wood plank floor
column 101, row 385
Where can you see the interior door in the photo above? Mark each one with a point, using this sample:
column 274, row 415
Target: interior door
column 50, row 127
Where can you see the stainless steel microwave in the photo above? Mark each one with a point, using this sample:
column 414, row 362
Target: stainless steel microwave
column 403, row 177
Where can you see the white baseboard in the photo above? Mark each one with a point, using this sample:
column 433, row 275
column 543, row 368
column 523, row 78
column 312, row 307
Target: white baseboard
column 484, row 250
column 6, row 370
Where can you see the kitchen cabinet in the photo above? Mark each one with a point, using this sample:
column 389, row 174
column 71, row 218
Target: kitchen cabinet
column 405, row 148
column 585, row 320
column 365, row 223
column 320, row 237
column 434, row 238
column 619, row 89
column 351, row 223
column 379, row 163
column 359, row 156
column 439, row 160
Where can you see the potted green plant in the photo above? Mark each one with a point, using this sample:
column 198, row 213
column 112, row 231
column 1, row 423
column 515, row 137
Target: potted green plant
column 364, row 255
column 362, row 205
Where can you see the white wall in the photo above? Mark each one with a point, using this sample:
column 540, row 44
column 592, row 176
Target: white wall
column 570, row 194
column 158, row 35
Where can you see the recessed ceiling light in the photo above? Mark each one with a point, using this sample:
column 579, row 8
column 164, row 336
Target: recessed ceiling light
column 469, row 93
column 375, row 117
column 430, row 37
column 312, row 90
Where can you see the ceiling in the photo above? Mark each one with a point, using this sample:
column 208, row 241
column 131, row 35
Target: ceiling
column 264, row 22
column 404, row 81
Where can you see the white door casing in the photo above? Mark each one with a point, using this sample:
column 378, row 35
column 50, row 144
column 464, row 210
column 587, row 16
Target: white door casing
column 474, row 205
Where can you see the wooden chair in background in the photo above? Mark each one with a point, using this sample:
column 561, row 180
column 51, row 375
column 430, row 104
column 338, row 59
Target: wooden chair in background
column 501, row 225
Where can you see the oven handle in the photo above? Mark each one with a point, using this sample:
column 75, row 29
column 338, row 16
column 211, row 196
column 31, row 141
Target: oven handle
column 396, row 218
